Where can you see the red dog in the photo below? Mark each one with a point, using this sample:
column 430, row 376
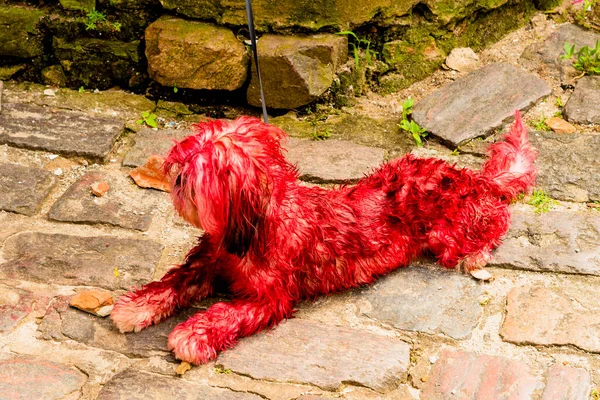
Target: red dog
column 274, row 241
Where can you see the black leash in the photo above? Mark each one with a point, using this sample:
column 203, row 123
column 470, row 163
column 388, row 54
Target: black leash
column 253, row 42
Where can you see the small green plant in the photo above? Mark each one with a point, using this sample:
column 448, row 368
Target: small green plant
column 221, row 370
column 149, row 119
column 595, row 394
column 415, row 130
column 583, row 15
column 540, row 124
column 370, row 55
column 175, row 90
column 455, row 152
column 559, row 102
column 321, row 134
column 585, row 59
column 93, row 18
column 407, row 107
column 540, row 201
column 81, row 89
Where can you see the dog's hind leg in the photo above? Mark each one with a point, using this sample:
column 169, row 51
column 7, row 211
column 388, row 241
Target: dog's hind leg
column 180, row 286
column 204, row 335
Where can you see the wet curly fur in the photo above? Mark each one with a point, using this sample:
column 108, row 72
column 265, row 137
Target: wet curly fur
column 274, row 241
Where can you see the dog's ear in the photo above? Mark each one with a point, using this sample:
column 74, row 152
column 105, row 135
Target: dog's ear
column 248, row 199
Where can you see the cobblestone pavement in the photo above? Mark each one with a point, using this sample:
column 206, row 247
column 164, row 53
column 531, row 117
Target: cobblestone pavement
column 421, row 332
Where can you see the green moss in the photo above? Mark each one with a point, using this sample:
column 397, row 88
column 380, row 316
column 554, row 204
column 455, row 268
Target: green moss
column 483, row 29
column 9, row 71
column 82, row 59
column 546, row 5
column 20, row 35
column 411, row 60
column 78, row 4
column 177, row 109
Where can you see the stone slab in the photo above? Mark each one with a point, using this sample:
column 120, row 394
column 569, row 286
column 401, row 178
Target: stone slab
column 330, row 161
column 479, row 102
column 26, row 377
column 582, row 106
column 567, row 383
column 150, row 142
column 426, row 300
column 564, row 316
column 66, row 133
column 322, row 355
column 556, row 241
column 547, row 53
column 132, row 384
column 568, row 165
column 23, row 189
column 75, row 260
column 124, row 205
column 62, row 322
column 464, row 375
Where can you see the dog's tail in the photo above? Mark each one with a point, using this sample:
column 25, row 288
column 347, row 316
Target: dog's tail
column 510, row 163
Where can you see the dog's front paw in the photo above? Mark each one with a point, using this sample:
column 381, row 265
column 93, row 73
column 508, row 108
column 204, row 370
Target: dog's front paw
column 132, row 313
column 192, row 342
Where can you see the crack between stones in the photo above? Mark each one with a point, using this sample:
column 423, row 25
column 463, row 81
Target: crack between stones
column 262, row 396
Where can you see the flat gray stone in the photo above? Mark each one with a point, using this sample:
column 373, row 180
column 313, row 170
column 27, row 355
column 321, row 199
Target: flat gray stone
column 547, row 53
column 564, row 382
column 26, row 377
column 322, row 355
column 426, row 300
column 568, row 315
column 582, row 107
column 125, row 204
column 149, row 142
column 24, row 189
column 132, row 384
column 63, row 322
column 464, row 375
column 332, row 160
column 67, row 133
column 478, row 103
column 556, row 241
column 75, row 260
column 568, row 165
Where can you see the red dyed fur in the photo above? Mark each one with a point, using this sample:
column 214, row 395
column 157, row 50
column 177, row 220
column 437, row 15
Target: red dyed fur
column 274, row 241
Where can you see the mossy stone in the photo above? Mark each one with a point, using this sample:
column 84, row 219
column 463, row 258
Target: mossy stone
column 286, row 14
column 78, row 4
column 195, row 55
column 82, row 60
column 296, row 69
column 54, row 76
column 413, row 61
column 20, row 35
column 8, row 71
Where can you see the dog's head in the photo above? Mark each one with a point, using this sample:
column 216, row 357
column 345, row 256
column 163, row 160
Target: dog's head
column 223, row 177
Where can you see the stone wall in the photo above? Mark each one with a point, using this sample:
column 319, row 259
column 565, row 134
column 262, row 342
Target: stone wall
column 202, row 44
